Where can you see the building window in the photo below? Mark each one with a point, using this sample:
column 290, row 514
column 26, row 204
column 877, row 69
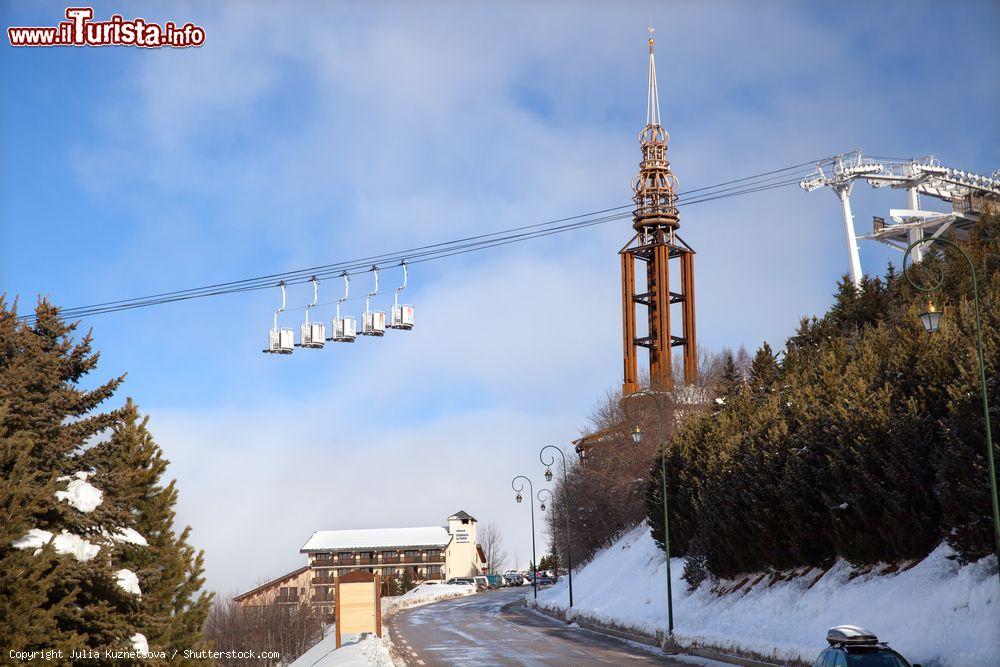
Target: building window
column 345, row 556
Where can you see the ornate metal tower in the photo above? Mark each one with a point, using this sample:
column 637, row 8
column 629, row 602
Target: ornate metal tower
column 656, row 243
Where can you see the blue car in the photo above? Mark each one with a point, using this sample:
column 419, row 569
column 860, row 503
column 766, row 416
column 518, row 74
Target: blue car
column 851, row 646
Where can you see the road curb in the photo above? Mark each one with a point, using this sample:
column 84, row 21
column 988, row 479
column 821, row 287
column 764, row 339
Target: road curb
column 701, row 652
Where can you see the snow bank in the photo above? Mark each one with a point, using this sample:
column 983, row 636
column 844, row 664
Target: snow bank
column 423, row 594
column 128, row 581
column 355, row 651
column 935, row 613
column 80, row 493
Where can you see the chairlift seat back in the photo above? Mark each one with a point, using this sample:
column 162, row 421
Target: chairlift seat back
column 373, row 323
column 402, row 317
column 345, row 329
column 281, row 341
column 313, row 335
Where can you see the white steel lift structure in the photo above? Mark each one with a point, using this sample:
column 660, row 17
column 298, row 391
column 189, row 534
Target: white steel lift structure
column 969, row 195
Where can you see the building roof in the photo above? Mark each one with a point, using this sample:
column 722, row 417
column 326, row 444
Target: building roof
column 462, row 514
column 377, row 538
column 274, row 582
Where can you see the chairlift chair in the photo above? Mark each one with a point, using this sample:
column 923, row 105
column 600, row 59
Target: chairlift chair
column 280, row 341
column 312, row 334
column 372, row 321
column 344, row 329
column 402, row 315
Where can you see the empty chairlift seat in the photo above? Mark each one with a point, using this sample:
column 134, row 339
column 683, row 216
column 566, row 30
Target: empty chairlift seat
column 313, row 335
column 373, row 323
column 281, row 341
column 402, row 317
column 344, row 329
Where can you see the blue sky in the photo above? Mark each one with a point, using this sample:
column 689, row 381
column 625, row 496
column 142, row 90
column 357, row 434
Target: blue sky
column 306, row 134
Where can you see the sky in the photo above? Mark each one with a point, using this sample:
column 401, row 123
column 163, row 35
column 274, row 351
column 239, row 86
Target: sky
column 313, row 132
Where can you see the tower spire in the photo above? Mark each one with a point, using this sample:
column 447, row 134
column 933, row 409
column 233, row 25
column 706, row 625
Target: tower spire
column 656, row 244
column 653, row 95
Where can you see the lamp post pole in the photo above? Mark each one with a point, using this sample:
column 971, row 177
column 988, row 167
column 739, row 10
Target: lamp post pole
column 930, row 322
column 518, row 498
column 548, row 476
column 637, row 436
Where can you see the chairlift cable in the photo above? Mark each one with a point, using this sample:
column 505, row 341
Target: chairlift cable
column 756, row 183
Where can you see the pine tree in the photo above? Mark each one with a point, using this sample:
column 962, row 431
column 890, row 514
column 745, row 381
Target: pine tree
column 130, row 468
column 49, row 425
column 764, row 370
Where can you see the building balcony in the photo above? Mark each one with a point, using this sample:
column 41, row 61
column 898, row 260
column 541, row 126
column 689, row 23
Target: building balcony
column 323, row 580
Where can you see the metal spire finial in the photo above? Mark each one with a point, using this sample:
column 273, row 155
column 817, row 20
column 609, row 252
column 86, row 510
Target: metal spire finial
column 653, row 95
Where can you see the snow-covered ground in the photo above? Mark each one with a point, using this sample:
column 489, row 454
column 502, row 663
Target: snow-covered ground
column 936, row 613
column 369, row 650
column 423, row 594
column 355, row 651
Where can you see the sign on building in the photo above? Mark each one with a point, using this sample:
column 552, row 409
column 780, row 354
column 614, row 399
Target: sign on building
column 358, row 604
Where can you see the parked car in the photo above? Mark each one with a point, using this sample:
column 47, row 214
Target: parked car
column 514, row 579
column 482, row 583
column 464, row 581
column 851, row 646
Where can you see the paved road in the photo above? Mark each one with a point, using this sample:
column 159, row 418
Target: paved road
column 479, row 630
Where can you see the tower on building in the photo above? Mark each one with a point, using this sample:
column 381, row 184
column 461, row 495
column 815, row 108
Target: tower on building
column 656, row 244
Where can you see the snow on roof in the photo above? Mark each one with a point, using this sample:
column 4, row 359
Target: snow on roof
column 377, row 538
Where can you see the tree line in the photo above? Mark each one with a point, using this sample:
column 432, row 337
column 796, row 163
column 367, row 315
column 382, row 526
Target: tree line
column 863, row 438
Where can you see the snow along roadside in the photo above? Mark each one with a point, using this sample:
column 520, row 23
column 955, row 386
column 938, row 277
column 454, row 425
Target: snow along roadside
column 936, row 612
column 367, row 649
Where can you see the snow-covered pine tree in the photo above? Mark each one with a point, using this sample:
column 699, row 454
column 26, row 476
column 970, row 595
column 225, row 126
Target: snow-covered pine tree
column 61, row 582
column 130, row 468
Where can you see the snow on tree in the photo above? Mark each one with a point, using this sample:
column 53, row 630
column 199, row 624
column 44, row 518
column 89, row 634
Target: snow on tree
column 88, row 555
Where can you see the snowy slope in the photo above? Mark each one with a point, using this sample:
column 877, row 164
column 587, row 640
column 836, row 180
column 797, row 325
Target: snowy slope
column 935, row 613
column 424, row 594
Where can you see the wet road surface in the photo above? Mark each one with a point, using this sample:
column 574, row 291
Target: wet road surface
column 484, row 629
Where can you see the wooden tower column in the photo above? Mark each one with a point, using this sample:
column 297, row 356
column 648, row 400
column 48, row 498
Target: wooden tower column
column 687, row 316
column 655, row 221
column 661, row 374
column 630, row 383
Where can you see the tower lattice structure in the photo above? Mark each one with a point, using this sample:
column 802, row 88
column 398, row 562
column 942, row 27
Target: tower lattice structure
column 656, row 243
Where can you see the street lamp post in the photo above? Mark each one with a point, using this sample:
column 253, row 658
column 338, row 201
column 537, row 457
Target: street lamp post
column 637, row 438
column 548, row 476
column 931, row 319
column 519, row 498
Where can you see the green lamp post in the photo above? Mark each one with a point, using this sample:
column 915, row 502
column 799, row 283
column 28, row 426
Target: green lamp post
column 931, row 320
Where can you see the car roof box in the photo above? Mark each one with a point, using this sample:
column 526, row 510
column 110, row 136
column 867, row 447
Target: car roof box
column 850, row 634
